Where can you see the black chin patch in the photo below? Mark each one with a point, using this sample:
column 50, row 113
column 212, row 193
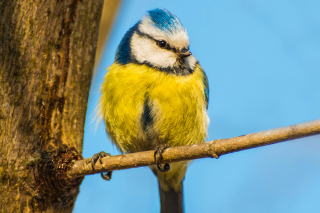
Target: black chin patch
column 180, row 70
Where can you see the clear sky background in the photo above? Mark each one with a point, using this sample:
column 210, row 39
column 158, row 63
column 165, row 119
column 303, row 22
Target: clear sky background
column 262, row 59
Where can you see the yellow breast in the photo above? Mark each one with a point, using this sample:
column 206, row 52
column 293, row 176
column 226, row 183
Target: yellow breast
column 177, row 107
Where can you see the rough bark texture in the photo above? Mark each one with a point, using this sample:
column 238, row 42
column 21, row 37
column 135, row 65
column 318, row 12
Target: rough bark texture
column 47, row 51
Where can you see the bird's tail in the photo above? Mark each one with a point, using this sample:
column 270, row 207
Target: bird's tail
column 171, row 201
column 171, row 187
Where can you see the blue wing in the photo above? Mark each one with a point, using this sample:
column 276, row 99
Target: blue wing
column 206, row 87
column 146, row 115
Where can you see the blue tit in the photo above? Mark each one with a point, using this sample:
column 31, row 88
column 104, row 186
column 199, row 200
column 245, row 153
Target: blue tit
column 156, row 93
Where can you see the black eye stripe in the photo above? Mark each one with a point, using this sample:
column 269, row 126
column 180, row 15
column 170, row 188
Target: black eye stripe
column 167, row 46
column 143, row 34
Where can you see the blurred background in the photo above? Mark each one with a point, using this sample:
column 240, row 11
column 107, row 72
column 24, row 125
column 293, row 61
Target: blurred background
column 262, row 59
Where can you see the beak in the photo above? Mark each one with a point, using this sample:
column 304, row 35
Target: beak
column 184, row 53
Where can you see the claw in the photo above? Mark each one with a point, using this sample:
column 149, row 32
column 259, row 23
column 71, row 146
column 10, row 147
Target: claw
column 158, row 156
column 97, row 157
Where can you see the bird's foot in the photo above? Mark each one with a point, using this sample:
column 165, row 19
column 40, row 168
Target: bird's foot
column 158, row 156
column 97, row 157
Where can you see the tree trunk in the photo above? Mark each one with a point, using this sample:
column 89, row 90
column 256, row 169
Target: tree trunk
column 47, row 52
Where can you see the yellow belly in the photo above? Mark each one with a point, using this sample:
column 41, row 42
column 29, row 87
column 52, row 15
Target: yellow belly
column 178, row 107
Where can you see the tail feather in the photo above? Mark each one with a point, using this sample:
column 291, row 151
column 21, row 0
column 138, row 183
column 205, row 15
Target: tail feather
column 171, row 201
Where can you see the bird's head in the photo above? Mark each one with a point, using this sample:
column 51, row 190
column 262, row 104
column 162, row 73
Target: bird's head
column 158, row 40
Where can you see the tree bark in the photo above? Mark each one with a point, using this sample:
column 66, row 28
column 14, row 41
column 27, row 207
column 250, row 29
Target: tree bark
column 47, row 52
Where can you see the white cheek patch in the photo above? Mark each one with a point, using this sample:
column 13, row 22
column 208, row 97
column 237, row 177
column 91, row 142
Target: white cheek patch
column 146, row 50
column 190, row 62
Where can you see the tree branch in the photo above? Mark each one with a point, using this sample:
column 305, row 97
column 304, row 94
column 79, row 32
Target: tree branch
column 214, row 149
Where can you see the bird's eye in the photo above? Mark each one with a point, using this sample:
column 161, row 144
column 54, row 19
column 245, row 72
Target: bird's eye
column 162, row 43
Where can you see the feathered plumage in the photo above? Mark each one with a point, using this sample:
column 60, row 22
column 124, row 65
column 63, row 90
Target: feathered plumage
column 156, row 93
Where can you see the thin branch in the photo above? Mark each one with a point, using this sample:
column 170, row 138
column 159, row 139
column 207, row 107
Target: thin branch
column 214, row 149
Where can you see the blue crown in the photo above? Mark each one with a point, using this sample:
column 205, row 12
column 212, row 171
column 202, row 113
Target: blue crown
column 165, row 20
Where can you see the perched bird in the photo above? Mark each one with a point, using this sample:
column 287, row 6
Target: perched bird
column 155, row 95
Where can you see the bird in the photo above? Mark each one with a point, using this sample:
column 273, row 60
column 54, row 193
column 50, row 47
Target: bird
column 155, row 95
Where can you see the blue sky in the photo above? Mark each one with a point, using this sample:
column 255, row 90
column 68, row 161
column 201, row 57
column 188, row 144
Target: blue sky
column 262, row 59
